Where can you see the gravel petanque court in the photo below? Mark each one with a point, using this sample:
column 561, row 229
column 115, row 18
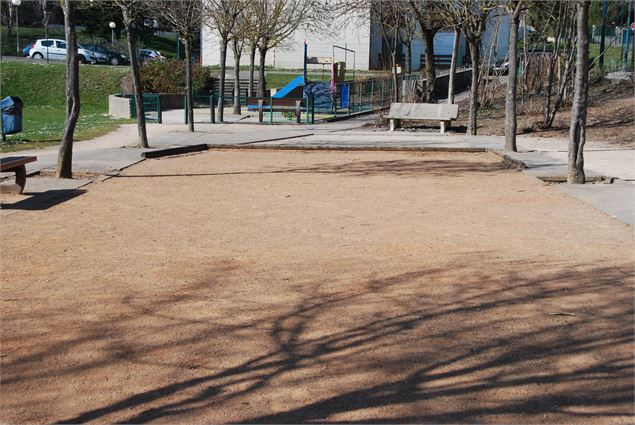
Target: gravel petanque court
column 317, row 286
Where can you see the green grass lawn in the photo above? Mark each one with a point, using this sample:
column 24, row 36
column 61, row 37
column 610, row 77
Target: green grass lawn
column 42, row 89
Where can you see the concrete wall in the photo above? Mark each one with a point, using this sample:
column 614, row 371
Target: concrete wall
column 119, row 106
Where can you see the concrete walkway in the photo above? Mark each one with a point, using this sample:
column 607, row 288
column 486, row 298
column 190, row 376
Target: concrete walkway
column 544, row 157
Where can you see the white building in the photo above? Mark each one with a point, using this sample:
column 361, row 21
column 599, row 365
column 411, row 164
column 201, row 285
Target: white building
column 363, row 38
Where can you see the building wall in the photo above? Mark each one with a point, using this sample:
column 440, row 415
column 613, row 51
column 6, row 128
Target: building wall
column 357, row 34
column 347, row 32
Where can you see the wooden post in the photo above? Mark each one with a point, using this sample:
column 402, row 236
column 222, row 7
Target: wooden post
column 297, row 111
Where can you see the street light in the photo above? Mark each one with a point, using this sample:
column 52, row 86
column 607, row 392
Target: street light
column 112, row 26
column 17, row 3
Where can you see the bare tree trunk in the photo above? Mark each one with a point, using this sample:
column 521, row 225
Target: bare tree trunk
column 431, row 75
column 262, row 84
column 395, row 79
column 564, row 81
column 237, row 54
column 577, row 132
column 188, row 84
column 452, row 76
column 475, row 55
column 64, row 167
column 408, row 57
column 221, row 81
column 10, row 21
column 252, row 66
column 510, row 101
column 142, row 140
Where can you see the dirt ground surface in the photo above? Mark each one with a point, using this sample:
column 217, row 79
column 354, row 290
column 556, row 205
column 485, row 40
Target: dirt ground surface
column 610, row 119
column 289, row 286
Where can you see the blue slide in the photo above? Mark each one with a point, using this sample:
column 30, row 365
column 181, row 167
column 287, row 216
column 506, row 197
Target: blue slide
column 293, row 84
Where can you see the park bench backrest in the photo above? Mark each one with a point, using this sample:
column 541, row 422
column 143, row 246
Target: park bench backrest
column 281, row 103
column 424, row 111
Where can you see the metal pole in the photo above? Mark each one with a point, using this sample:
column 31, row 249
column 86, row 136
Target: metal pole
column 305, row 53
column 112, row 37
column 185, row 109
column 271, row 111
column 628, row 37
column 212, row 110
column 17, row 30
column 372, row 92
column 602, row 36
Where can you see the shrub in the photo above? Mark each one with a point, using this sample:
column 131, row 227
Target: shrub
column 169, row 77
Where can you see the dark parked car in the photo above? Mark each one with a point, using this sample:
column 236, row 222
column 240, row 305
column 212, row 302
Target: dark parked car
column 107, row 56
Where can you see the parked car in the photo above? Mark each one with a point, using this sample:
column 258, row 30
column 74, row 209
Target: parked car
column 107, row 56
column 147, row 54
column 55, row 49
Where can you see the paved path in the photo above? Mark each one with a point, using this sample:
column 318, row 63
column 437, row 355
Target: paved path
column 544, row 157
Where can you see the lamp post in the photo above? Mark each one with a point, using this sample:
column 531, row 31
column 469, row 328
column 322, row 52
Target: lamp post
column 17, row 3
column 112, row 26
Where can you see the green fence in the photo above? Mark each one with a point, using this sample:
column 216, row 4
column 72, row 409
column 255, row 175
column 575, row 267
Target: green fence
column 151, row 107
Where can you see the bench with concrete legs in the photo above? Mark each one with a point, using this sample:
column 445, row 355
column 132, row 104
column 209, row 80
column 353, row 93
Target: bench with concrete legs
column 442, row 112
column 15, row 164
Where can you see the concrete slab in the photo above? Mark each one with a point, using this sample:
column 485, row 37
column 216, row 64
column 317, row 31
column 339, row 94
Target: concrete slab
column 617, row 199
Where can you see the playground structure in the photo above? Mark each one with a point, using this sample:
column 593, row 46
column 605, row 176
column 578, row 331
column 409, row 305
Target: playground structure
column 333, row 98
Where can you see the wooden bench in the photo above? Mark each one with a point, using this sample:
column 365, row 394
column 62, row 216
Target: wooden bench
column 441, row 112
column 273, row 104
column 15, row 164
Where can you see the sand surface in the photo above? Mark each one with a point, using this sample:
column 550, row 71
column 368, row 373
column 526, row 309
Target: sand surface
column 286, row 286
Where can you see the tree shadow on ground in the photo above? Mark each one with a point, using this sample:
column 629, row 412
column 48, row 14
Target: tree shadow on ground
column 400, row 168
column 461, row 357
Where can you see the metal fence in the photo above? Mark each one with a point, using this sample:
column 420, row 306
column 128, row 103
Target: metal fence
column 327, row 101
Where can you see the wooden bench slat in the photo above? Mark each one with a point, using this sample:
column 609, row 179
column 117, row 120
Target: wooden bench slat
column 10, row 162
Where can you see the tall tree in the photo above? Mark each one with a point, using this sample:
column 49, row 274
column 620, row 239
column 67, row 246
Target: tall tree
column 471, row 16
column 240, row 34
column 453, row 62
column 64, row 167
column 514, row 8
column 185, row 18
column 430, row 22
column 577, row 131
column 278, row 20
column 390, row 16
column 560, row 15
column 131, row 10
column 222, row 16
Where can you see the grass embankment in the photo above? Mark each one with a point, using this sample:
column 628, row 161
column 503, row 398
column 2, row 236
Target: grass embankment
column 42, row 89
